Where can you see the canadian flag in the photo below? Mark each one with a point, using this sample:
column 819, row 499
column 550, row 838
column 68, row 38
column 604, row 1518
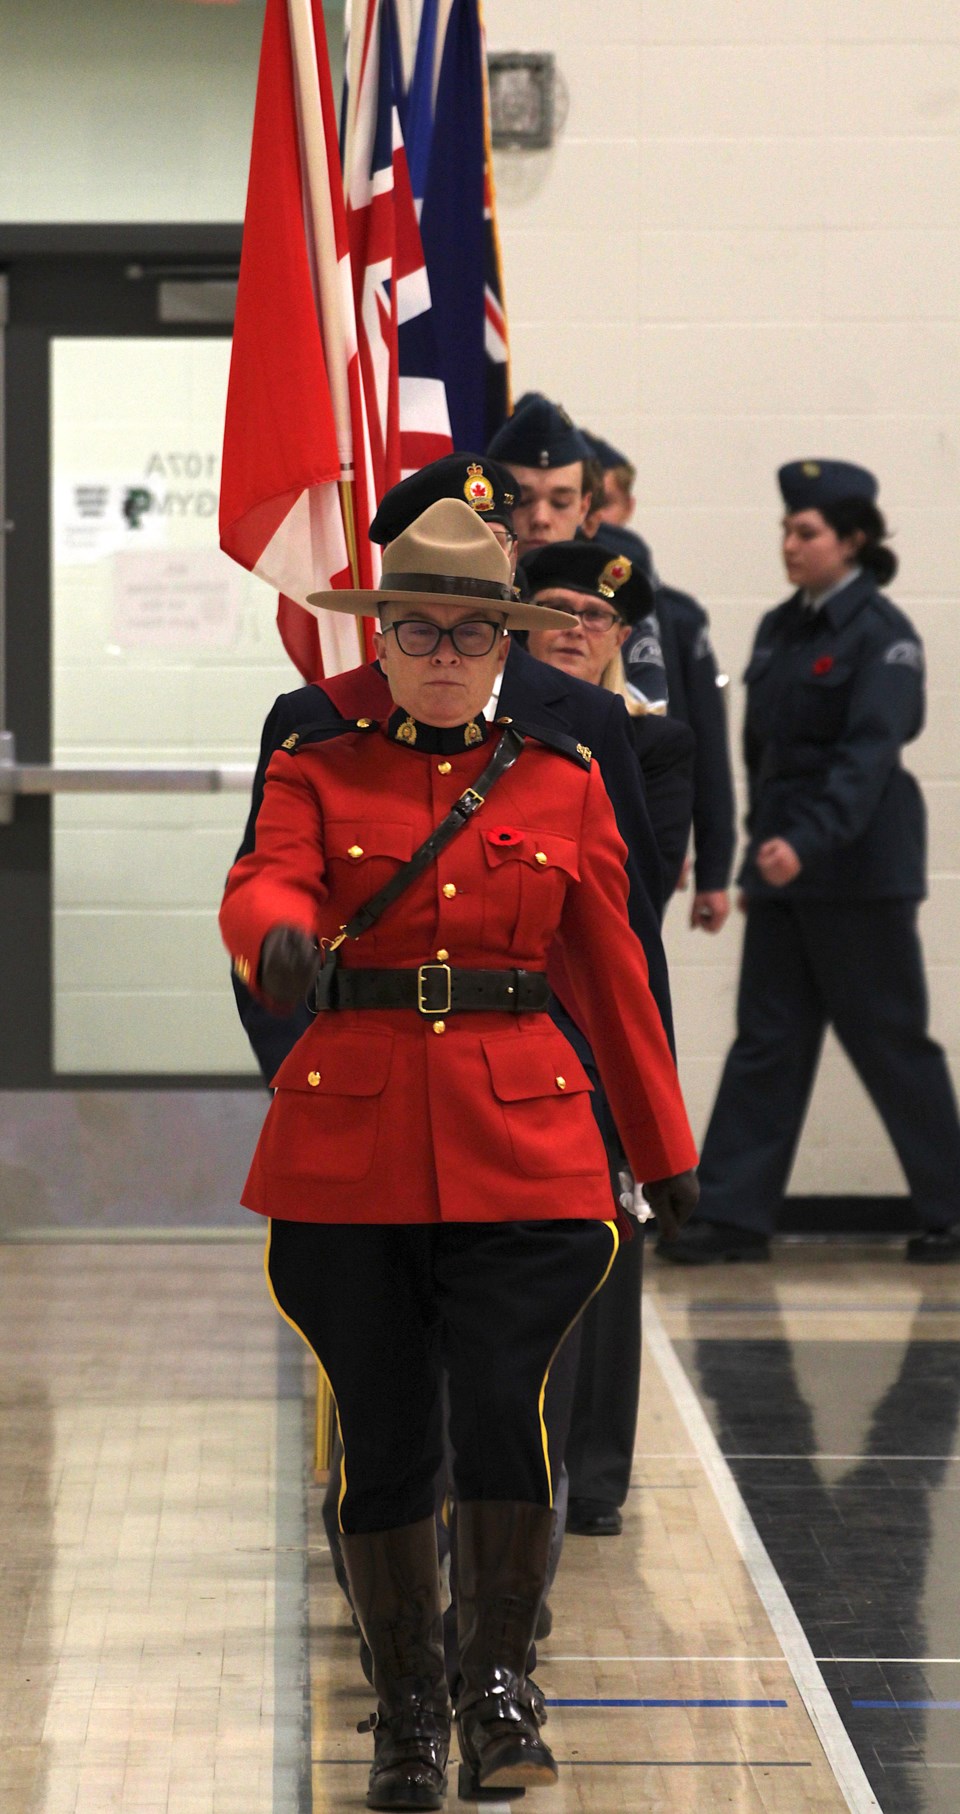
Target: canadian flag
column 297, row 494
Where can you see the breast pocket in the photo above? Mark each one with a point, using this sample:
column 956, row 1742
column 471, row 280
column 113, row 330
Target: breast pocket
column 324, row 1120
column 544, row 1097
column 533, row 871
column 361, row 855
column 820, row 703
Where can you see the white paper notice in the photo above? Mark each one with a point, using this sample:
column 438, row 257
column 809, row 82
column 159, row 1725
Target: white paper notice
column 188, row 600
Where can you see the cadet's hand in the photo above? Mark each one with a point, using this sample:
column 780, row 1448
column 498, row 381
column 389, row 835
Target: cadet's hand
column 778, row 862
column 289, row 961
column 710, row 908
column 673, row 1201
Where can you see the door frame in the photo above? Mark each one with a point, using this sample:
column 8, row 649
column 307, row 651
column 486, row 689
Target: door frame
column 61, row 281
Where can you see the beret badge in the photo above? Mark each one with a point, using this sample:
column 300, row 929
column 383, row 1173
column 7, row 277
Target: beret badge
column 615, row 574
column 478, row 490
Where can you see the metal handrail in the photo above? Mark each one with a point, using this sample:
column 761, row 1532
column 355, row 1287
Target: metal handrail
column 120, row 778
column 54, row 778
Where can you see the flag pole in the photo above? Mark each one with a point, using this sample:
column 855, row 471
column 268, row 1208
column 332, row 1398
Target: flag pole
column 350, row 530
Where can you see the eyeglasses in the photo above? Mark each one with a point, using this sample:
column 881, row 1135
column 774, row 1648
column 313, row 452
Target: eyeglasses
column 592, row 618
column 474, row 636
column 505, row 536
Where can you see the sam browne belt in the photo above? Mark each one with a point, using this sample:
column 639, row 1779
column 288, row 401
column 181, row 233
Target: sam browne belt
column 440, row 989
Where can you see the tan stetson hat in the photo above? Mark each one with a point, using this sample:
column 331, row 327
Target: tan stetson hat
column 447, row 556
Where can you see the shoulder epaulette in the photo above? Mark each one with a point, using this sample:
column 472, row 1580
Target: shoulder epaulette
column 581, row 753
column 322, row 733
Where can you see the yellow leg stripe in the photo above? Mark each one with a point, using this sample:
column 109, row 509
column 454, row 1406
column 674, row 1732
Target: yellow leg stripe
column 305, row 1339
column 543, row 1389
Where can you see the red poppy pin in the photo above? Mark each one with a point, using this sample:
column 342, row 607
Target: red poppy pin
column 504, row 835
column 823, row 664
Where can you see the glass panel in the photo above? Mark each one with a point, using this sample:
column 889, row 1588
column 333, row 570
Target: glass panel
column 164, row 652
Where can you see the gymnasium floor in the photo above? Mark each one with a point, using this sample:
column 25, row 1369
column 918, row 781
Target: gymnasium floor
column 778, row 1628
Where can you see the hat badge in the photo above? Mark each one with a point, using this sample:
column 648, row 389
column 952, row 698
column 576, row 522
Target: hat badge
column 478, row 490
column 616, row 573
column 811, row 469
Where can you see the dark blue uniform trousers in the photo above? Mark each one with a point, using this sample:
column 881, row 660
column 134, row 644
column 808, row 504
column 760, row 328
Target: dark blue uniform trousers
column 858, row 967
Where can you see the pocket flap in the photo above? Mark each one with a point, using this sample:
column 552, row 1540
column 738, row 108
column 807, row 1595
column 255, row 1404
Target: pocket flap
column 360, row 839
column 521, row 1068
column 345, row 1064
column 540, row 849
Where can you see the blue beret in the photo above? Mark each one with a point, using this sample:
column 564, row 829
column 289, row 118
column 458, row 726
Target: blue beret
column 808, row 484
column 585, row 566
column 607, row 455
column 539, row 434
column 483, row 483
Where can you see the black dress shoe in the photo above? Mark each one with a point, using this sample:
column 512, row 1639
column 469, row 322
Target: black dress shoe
column 936, row 1246
column 593, row 1518
column 711, row 1243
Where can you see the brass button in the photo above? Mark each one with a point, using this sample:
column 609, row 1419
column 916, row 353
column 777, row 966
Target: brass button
column 313, row 1078
column 364, row 724
column 449, row 890
column 439, row 1026
column 561, row 1083
column 443, row 768
column 356, row 850
column 541, row 856
column 442, row 955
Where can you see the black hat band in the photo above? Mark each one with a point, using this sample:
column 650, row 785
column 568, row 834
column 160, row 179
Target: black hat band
column 442, row 582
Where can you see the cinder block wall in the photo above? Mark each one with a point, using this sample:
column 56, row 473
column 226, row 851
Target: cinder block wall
column 742, row 248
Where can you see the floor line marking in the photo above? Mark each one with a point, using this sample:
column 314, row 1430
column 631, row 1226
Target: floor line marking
column 695, row 1701
column 561, row 1656
column 907, row 1706
column 837, row 1745
column 862, row 1659
column 633, row 1763
column 826, row 1455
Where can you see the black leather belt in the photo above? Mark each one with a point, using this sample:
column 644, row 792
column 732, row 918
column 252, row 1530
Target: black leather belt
column 439, row 989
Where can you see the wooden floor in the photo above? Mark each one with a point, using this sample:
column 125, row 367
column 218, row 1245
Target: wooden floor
column 171, row 1636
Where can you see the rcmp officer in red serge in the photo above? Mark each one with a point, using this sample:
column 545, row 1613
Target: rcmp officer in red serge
column 834, row 871
column 436, row 1187
column 527, row 689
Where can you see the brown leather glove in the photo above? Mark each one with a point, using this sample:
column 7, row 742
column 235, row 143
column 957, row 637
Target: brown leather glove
column 673, row 1201
column 289, row 961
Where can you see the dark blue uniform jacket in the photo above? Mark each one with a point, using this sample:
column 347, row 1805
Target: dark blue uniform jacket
column 694, row 696
column 832, row 696
column 533, row 694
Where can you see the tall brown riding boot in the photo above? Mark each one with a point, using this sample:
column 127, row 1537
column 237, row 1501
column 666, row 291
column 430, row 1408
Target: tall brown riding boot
column 395, row 1588
column 503, row 1548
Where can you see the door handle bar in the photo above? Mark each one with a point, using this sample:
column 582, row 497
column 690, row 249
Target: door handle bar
column 67, row 778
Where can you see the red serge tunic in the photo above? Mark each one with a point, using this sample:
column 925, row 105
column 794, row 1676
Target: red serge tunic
column 388, row 1116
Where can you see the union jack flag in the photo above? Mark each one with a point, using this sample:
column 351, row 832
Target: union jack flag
column 406, row 398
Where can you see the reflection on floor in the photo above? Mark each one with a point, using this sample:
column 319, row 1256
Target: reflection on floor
column 171, row 1637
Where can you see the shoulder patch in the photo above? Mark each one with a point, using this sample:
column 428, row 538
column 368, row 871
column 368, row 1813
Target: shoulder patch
column 554, row 739
column 323, row 733
column 904, row 655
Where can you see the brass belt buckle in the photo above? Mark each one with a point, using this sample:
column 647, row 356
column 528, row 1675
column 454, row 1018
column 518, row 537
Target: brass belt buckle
column 423, row 974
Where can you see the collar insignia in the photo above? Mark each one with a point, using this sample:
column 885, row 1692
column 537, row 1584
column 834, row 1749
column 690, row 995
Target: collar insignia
column 406, row 731
column 472, row 734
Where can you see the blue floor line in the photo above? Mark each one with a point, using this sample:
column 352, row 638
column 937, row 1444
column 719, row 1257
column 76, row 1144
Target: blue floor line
column 656, row 1701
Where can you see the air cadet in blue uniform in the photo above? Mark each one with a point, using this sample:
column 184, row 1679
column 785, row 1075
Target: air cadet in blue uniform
column 834, row 871
column 609, row 595
column 694, row 688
